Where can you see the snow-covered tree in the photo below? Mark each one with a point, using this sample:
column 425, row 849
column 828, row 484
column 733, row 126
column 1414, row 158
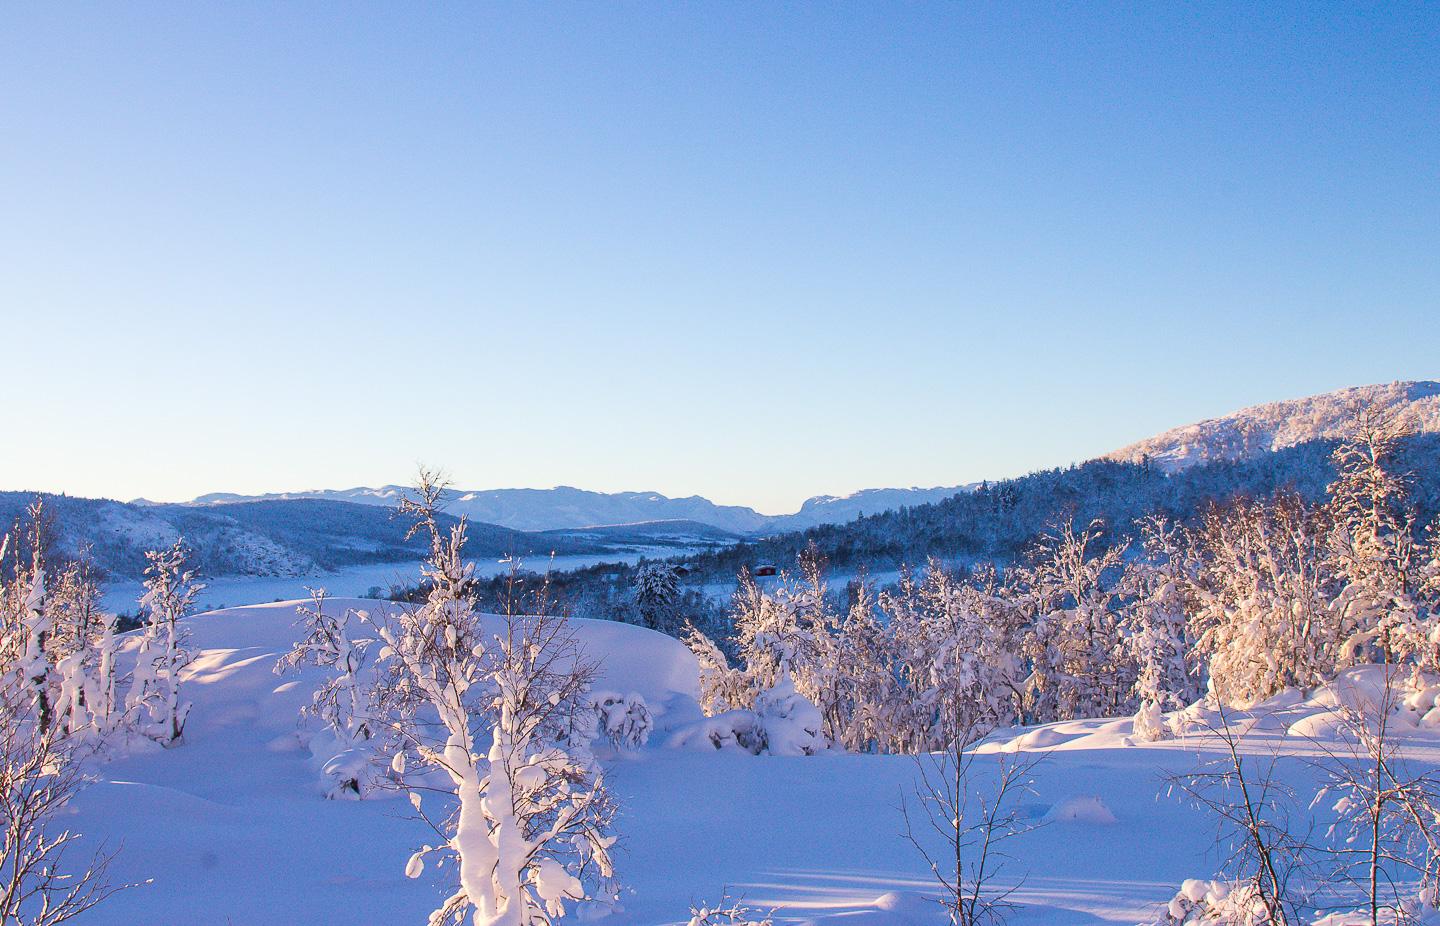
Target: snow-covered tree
column 74, row 613
column 102, row 680
column 340, row 701
column 722, row 687
column 863, row 715
column 39, row 774
column 656, row 593
column 776, row 637
column 35, row 665
column 170, row 590
column 531, row 829
column 1380, row 608
column 770, row 636
column 1156, row 624
column 1418, row 641
column 766, row 703
column 1372, row 528
column 28, row 615
column 957, row 656
column 1077, row 664
column 1261, row 615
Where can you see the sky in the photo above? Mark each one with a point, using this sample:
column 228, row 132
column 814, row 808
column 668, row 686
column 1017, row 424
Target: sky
column 755, row 252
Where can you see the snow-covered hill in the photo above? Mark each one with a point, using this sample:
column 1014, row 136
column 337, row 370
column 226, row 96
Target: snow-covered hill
column 265, row 538
column 1278, row 425
column 838, row 509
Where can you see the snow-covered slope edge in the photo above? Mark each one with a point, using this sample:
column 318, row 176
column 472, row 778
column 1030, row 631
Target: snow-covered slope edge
column 1278, row 425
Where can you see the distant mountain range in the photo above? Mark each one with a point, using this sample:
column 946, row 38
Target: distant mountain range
column 568, row 508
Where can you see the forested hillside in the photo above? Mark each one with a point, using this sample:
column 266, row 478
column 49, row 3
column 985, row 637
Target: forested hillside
column 999, row 520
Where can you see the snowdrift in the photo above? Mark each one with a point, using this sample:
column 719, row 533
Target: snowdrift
column 1291, row 721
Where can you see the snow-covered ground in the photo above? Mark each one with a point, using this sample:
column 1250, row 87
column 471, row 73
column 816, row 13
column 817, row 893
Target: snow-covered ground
column 230, row 828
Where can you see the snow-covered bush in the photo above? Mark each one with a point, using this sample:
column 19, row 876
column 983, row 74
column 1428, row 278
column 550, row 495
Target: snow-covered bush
column 624, row 719
column 341, row 701
column 782, row 722
column 1150, row 723
column 791, row 723
column 1215, row 903
column 739, row 729
column 728, row 912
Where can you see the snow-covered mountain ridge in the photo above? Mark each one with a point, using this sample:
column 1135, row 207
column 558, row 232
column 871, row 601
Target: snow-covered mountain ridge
column 1278, row 425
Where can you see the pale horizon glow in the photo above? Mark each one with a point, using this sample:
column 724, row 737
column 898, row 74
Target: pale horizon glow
column 751, row 253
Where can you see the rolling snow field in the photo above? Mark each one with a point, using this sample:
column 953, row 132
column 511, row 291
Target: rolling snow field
column 230, row 827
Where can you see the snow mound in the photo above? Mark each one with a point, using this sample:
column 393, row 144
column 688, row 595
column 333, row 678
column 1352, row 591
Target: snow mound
column 1084, row 809
column 1291, row 719
column 893, row 908
column 234, row 645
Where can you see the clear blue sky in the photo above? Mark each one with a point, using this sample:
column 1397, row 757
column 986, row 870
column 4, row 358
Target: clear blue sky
column 750, row 251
